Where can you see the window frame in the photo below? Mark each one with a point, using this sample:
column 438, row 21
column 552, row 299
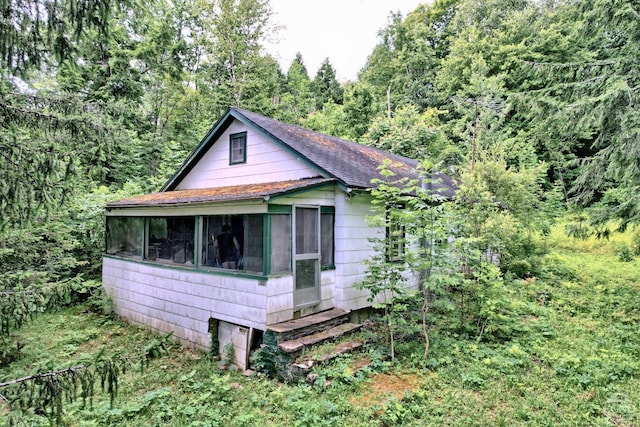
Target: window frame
column 325, row 211
column 198, row 260
column 395, row 236
column 240, row 137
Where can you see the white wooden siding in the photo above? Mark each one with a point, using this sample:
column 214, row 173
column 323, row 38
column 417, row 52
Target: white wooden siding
column 266, row 162
column 352, row 247
column 322, row 197
column 182, row 301
column 280, row 296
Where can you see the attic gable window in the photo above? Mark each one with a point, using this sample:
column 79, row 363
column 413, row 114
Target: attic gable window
column 238, row 148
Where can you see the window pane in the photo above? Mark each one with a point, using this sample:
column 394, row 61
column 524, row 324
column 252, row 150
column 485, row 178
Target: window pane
column 395, row 237
column 253, row 247
column 124, row 236
column 233, row 242
column 326, row 230
column 280, row 243
column 306, row 230
column 306, row 273
column 237, row 149
column 171, row 240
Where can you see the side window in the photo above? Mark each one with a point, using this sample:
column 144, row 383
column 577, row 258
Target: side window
column 395, row 241
column 124, row 236
column 238, row 148
column 327, row 224
column 170, row 240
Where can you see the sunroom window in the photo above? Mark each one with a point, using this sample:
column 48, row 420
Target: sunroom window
column 326, row 238
column 280, row 243
column 170, row 240
column 124, row 236
column 226, row 242
column 233, row 242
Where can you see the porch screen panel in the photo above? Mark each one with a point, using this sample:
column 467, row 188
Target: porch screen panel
column 306, row 273
column 171, row 240
column 253, row 244
column 306, row 230
column 280, row 243
column 227, row 231
column 211, row 227
column 124, row 236
column 326, row 238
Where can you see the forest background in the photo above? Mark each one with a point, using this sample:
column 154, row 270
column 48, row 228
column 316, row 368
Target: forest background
column 100, row 101
column 531, row 104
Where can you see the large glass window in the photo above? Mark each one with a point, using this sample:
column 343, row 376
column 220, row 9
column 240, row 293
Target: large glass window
column 280, row 243
column 233, row 242
column 170, row 240
column 124, row 236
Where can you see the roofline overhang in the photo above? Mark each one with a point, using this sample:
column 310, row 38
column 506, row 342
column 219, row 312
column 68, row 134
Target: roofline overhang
column 186, row 204
column 259, row 198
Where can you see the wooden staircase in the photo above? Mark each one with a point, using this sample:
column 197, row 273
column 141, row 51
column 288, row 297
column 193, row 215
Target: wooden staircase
column 296, row 337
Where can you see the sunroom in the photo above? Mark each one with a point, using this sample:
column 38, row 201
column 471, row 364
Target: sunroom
column 163, row 265
column 264, row 234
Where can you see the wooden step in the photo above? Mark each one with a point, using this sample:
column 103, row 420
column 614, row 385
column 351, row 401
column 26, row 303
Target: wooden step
column 307, row 362
column 297, row 344
column 308, row 325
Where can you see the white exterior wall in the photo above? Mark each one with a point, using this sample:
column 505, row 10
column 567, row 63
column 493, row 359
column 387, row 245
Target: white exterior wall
column 266, row 162
column 182, row 301
column 352, row 247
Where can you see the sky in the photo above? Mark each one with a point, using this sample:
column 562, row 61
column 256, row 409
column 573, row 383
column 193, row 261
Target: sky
column 345, row 31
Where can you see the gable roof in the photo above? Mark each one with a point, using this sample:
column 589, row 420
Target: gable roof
column 351, row 164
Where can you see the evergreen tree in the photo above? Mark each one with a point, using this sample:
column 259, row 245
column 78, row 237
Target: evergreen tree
column 52, row 144
column 298, row 98
column 325, row 86
column 358, row 109
column 595, row 103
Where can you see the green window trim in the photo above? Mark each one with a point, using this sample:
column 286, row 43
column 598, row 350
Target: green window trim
column 238, row 148
column 198, row 262
column 282, row 209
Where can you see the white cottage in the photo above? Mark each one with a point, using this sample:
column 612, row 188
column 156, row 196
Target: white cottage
column 264, row 222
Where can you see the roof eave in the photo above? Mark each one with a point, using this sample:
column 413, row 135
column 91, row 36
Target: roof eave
column 193, row 158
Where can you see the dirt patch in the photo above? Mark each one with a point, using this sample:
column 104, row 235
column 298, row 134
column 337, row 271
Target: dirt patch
column 383, row 386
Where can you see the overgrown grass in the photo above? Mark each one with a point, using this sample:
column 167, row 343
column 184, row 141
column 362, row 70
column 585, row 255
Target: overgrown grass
column 573, row 358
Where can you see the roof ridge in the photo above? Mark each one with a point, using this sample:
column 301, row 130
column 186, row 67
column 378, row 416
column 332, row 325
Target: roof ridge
column 297, row 126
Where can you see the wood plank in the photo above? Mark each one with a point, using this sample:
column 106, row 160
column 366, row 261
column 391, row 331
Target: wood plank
column 298, row 344
column 303, row 322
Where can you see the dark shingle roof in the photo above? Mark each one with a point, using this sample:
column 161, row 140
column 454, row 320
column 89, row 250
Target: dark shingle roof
column 354, row 165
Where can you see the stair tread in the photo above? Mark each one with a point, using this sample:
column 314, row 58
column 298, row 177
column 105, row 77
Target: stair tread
column 341, row 348
column 318, row 337
column 303, row 322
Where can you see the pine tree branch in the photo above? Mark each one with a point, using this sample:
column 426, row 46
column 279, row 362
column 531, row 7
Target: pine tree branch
column 72, row 370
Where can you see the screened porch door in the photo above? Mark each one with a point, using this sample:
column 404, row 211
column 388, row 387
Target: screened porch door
column 306, row 249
